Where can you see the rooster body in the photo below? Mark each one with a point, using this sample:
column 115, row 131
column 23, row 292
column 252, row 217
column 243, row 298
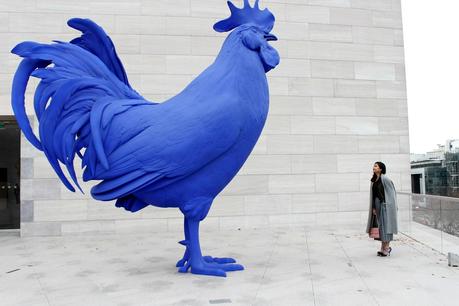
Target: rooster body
column 179, row 153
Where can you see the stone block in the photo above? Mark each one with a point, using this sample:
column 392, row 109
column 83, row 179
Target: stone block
column 385, row 19
column 337, row 182
column 58, row 210
column 227, row 206
column 290, row 144
column 164, row 45
column 389, row 54
column 42, row 168
column 335, row 144
column 164, row 84
column 247, row 184
column 115, row 7
column 27, row 169
column 404, row 144
column 311, row 125
column 351, row 16
column 293, row 68
column 268, row 204
column 315, row 202
column 310, row 87
column 127, row 44
column 136, row 226
column 332, row 69
column 340, row 51
column 40, row 189
column 292, row 30
column 374, row 71
column 98, row 227
column 330, row 32
column 4, row 22
column 314, row 163
column 357, row 125
column 36, row 229
column 379, row 144
column 374, row 36
column 287, row 105
column 175, row 64
column 355, row 88
column 166, row 7
column 286, row 184
column 267, row 164
column 378, row 5
column 391, row 89
column 37, row 22
column 378, row 107
column 277, row 125
column 393, row 125
column 27, row 209
column 309, row 14
column 348, row 163
column 354, row 201
column 324, row 106
column 208, row 9
column 278, row 86
column 130, row 24
column 298, row 49
column 330, row 3
column 205, row 45
column 144, row 63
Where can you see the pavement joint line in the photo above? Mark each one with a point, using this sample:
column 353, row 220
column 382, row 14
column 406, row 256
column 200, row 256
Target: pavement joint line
column 267, row 265
column 309, row 264
column 356, row 270
column 42, row 289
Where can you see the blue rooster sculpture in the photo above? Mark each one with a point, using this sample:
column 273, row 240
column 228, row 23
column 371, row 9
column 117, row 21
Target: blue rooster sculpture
column 179, row 153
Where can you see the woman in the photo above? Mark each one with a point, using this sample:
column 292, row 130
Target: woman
column 383, row 204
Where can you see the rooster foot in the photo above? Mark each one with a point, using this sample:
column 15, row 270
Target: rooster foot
column 208, row 259
column 208, row 265
column 193, row 259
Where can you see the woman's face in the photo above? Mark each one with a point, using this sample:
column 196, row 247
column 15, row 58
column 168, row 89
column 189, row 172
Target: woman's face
column 376, row 169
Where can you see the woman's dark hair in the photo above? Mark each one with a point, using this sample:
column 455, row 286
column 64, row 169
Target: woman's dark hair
column 383, row 170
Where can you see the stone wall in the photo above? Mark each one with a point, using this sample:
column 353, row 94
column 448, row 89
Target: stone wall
column 338, row 103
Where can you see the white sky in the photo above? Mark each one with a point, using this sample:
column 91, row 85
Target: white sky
column 431, row 34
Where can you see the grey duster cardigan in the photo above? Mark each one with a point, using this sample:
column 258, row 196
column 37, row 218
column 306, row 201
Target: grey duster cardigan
column 390, row 195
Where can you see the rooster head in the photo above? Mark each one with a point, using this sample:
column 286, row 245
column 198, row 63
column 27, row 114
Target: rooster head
column 255, row 26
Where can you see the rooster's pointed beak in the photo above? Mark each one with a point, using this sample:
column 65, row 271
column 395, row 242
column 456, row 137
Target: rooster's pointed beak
column 270, row 37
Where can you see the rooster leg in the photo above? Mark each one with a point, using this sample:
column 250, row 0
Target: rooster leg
column 182, row 263
column 195, row 211
column 198, row 263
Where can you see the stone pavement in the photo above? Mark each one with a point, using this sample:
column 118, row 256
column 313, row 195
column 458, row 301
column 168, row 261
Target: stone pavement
column 284, row 266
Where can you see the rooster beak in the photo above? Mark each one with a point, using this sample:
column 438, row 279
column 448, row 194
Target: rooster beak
column 270, row 37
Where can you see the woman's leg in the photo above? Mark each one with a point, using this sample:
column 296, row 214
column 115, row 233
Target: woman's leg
column 386, row 248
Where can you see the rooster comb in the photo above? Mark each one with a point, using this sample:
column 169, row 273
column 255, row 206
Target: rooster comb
column 263, row 19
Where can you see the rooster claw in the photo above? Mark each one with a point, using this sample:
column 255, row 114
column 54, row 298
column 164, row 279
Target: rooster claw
column 207, row 259
column 223, row 260
column 210, row 268
column 181, row 263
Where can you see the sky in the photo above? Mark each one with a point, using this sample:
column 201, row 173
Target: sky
column 431, row 37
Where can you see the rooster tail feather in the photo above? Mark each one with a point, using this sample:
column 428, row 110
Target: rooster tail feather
column 21, row 77
column 70, row 103
column 95, row 40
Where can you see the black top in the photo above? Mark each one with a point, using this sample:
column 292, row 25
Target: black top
column 378, row 190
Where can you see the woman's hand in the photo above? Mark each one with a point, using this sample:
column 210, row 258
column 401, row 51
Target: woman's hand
column 374, row 211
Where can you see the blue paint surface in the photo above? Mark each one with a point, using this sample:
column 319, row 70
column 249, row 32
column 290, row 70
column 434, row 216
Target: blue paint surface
column 178, row 153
